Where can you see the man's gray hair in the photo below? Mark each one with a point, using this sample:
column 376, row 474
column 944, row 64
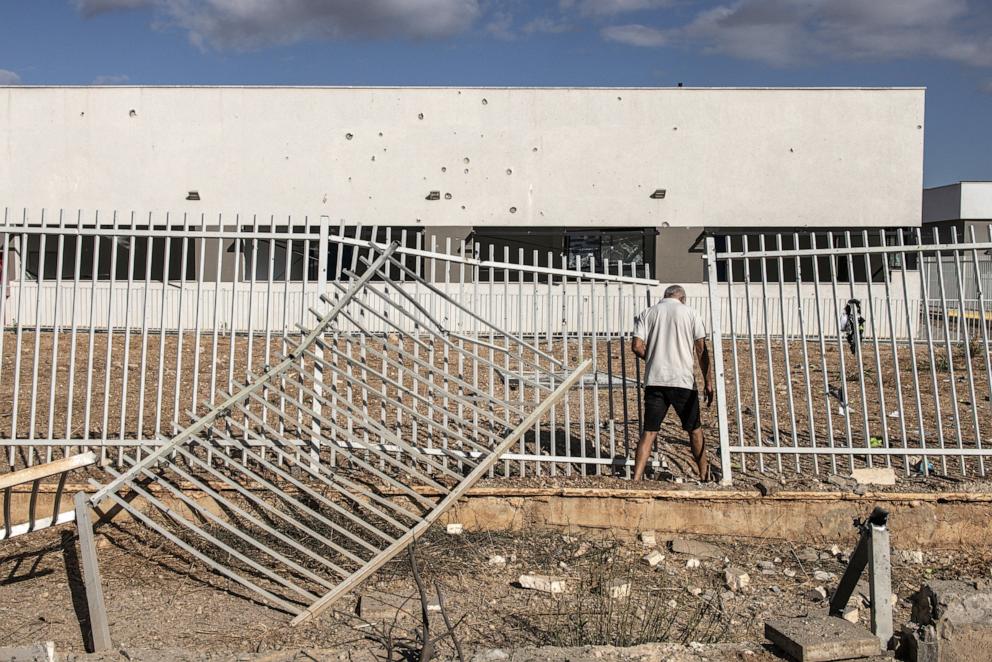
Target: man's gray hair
column 674, row 292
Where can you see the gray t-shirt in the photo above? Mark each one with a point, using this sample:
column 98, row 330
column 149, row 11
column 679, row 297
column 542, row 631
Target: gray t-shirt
column 670, row 330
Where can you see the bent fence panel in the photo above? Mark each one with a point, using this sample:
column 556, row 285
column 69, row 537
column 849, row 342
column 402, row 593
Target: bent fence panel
column 889, row 367
column 297, row 529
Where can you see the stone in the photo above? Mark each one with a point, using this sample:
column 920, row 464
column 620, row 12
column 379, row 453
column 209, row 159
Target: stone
column 497, row 560
column 821, row 638
column 851, row 614
column 736, row 579
column 696, row 591
column 808, row 555
column 818, row 594
column 875, row 476
column 34, row 653
column 543, row 583
column 696, row 548
column 788, row 572
column 581, row 550
column 823, row 576
column 617, row 589
column 908, row 557
column 455, row 529
column 492, row 655
column 766, row 565
column 840, row 481
column 835, row 550
column 766, row 488
column 653, row 558
column 648, row 539
column 692, row 563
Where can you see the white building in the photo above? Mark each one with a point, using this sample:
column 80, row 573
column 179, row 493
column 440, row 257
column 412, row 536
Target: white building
column 635, row 174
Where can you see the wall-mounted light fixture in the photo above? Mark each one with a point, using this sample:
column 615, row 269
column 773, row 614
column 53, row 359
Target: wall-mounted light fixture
column 433, row 195
column 659, row 194
column 193, row 195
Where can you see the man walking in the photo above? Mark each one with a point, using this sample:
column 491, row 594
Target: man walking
column 669, row 336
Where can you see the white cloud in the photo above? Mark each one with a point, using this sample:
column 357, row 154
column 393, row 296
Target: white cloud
column 501, row 26
column 611, row 7
column 111, row 79
column 547, row 25
column 783, row 32
column 249, row 24
column 8, row 77
column 635, row 35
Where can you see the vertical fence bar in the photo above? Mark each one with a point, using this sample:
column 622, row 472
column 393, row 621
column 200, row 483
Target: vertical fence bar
column 785, row 348
column 180, row 326
column 821, row 334
column 932, row 359
column 912, row 349
column 962, row 317
column 758, row 441
column 94, row 281
column 56, row 328
column 950, row 354
column 805, row 352
column 772, row 398
column 879, row 377
column 983, row 325
column 733, row 353
column 35, row 358
column 716, row 333
column 160, row 385
column 72, row 343
column 886, row 278
column 109, row 347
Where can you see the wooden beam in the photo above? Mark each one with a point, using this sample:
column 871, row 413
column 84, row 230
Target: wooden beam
column 41, row 471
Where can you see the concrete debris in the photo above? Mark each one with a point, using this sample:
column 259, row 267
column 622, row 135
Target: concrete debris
column 875, row 476
column 581, row 550
column 649, row 539
column 818, row 594
column 851, row 614
column 908, row 557
column 455, row 529
column 788, row 572
column 497, row 560
column 696, row 591
column 543, row 583
column 34, row 653
column 653, row 558
column 736, row 579
column 696, row 548
column 954, row 621
column 823, row 576
column 766, row 488
column 617, row 589
column 821, row 638
column 766, row 565
column 692, row 563
column 493, row 655
column 835, row 550
column 842, row 482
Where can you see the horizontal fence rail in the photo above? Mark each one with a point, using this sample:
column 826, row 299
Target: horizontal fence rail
column 893, row 372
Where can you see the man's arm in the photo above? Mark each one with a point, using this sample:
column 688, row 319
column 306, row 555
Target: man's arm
column 703, row 354
column 639, row 348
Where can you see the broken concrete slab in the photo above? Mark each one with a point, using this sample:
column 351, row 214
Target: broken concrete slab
column 821, row 639
column 34, row 653
column 653, row 558
column 736, row 579
column 616, row 589
column 952, row 601
column 696, row 548
column 543, row 583
column 455, row 529
column 648, row 539
column 875, row 476
column 908, row 556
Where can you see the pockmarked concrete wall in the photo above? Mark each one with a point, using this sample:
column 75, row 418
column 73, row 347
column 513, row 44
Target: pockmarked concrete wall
column 563, row 157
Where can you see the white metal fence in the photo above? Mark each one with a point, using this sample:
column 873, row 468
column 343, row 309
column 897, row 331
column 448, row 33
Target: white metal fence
column 826, row 396
column 113, row 330
column 115, row 326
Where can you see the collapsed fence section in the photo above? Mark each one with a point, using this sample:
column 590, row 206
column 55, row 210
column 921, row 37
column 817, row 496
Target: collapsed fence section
column 317, row 494
column 117, row 325
column 848, row 385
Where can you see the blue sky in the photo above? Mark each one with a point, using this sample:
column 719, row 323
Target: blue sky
column 945, row 45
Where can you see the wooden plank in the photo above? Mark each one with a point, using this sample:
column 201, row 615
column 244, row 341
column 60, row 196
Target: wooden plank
column 46, row 470
column 99, row 627
column 480, row 470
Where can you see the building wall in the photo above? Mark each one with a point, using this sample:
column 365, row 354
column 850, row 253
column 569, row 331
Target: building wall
column 520, row 157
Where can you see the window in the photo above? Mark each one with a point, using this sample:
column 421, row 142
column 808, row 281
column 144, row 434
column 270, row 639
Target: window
column 614, row 251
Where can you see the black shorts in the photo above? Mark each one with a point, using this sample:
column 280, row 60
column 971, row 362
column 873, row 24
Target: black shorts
column 657, row 399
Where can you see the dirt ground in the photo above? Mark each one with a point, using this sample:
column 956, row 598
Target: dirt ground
column 950, row 392
column 160, row 600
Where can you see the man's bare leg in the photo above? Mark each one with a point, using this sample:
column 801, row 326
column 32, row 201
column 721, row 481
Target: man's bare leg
column 697, row 444
column 644, row 447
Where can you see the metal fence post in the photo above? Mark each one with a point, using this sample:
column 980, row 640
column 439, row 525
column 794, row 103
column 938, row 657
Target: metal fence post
column 322, row 246
column 716, row 333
